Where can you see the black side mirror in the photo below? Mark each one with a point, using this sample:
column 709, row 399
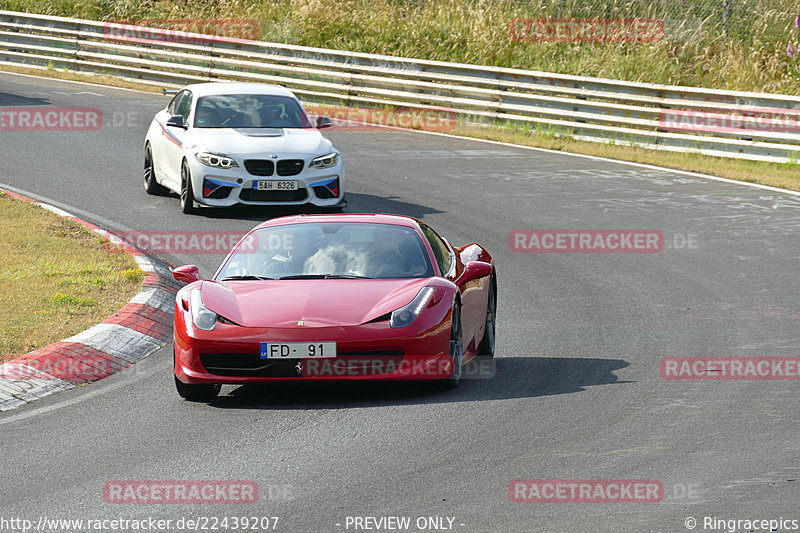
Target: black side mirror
column 176, row 121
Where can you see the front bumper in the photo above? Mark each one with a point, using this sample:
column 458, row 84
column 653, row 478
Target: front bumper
column 217, row 187
column 375, row 351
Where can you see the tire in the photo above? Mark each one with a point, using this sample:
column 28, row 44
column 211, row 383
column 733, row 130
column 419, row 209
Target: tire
column 151, row 186
column 197, row 392
column 456, row 350
column 488, row 341
column 187, row 194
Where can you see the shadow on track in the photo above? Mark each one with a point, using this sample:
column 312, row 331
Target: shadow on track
column 517, row 377
column 8, row 99
column 357, row 203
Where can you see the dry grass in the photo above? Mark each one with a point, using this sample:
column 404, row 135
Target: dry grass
column 99, row 79
column 56, row 278
column 477, row 31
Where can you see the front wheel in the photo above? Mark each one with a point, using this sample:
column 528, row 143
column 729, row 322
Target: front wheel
column 187, row 194
column 456, row 350
column 197, row 392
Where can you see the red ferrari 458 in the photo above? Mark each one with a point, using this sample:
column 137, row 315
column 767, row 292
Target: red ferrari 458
column 335, row 297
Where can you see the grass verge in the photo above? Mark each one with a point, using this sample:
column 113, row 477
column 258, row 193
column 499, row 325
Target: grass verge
column 57, row 278
column 754, row 53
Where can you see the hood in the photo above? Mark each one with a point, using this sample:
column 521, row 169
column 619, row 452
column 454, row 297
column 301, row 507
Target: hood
column 317, row 302
column 260, row 141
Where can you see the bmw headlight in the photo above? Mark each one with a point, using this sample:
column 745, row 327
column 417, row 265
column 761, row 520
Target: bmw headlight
column 408, row 313
column 203, row 317
column 326, row 161
column 216, row 160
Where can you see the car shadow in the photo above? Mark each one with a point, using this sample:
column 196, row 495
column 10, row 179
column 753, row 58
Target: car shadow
column 357, row 203
column 9, row 99
column 513, row 377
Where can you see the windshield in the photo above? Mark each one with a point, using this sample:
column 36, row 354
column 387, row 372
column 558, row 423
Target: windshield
column 326, row 250
column 249, row 111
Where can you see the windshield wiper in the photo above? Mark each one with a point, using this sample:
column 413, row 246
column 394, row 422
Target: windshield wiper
column 325, row 276
column 245, row 277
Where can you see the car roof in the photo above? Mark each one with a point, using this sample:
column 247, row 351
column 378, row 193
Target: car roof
column 236, row 87
column 373, row 218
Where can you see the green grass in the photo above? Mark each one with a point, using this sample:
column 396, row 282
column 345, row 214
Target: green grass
column 752, row 56
column 56, row 278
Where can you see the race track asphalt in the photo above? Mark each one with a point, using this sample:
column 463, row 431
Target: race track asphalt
column 577, row 392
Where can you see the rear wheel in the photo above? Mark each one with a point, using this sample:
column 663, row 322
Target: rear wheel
column 187, row 194
column 456, row 350
column 151, row 186
column 487, row 344
column 197, row 392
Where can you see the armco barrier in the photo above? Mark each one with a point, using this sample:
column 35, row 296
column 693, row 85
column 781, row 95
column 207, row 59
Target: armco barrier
column 649, row 115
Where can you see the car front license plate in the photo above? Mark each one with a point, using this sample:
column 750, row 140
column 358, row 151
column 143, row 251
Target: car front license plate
column 297, row 350
column 275, row 185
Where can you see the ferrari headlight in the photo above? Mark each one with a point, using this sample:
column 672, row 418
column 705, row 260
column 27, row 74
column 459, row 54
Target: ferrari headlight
column 408, row 313
column 326, row 161
column 216, row 160
column 203, row 317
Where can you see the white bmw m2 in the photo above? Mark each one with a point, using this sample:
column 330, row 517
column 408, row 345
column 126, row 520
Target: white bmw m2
column 226, row 143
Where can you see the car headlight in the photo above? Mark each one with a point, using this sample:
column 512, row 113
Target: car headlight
column 202, row 316
column 216, row 160
column 408, row 313
column 326, row 161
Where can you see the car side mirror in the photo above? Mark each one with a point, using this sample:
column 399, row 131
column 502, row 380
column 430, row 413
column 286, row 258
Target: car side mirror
column 474, row 270
column 176, row 121
column 324, row 122
column 186, row 273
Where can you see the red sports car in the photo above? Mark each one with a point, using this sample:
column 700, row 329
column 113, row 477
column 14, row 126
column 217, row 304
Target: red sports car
column 335, row 297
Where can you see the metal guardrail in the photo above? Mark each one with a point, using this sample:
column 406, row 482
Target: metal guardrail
column 585, row 108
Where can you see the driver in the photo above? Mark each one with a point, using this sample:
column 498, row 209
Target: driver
column 271, row 116
column 292, row 261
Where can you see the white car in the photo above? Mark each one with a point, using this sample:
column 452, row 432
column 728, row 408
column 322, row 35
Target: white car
column 226, row 143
